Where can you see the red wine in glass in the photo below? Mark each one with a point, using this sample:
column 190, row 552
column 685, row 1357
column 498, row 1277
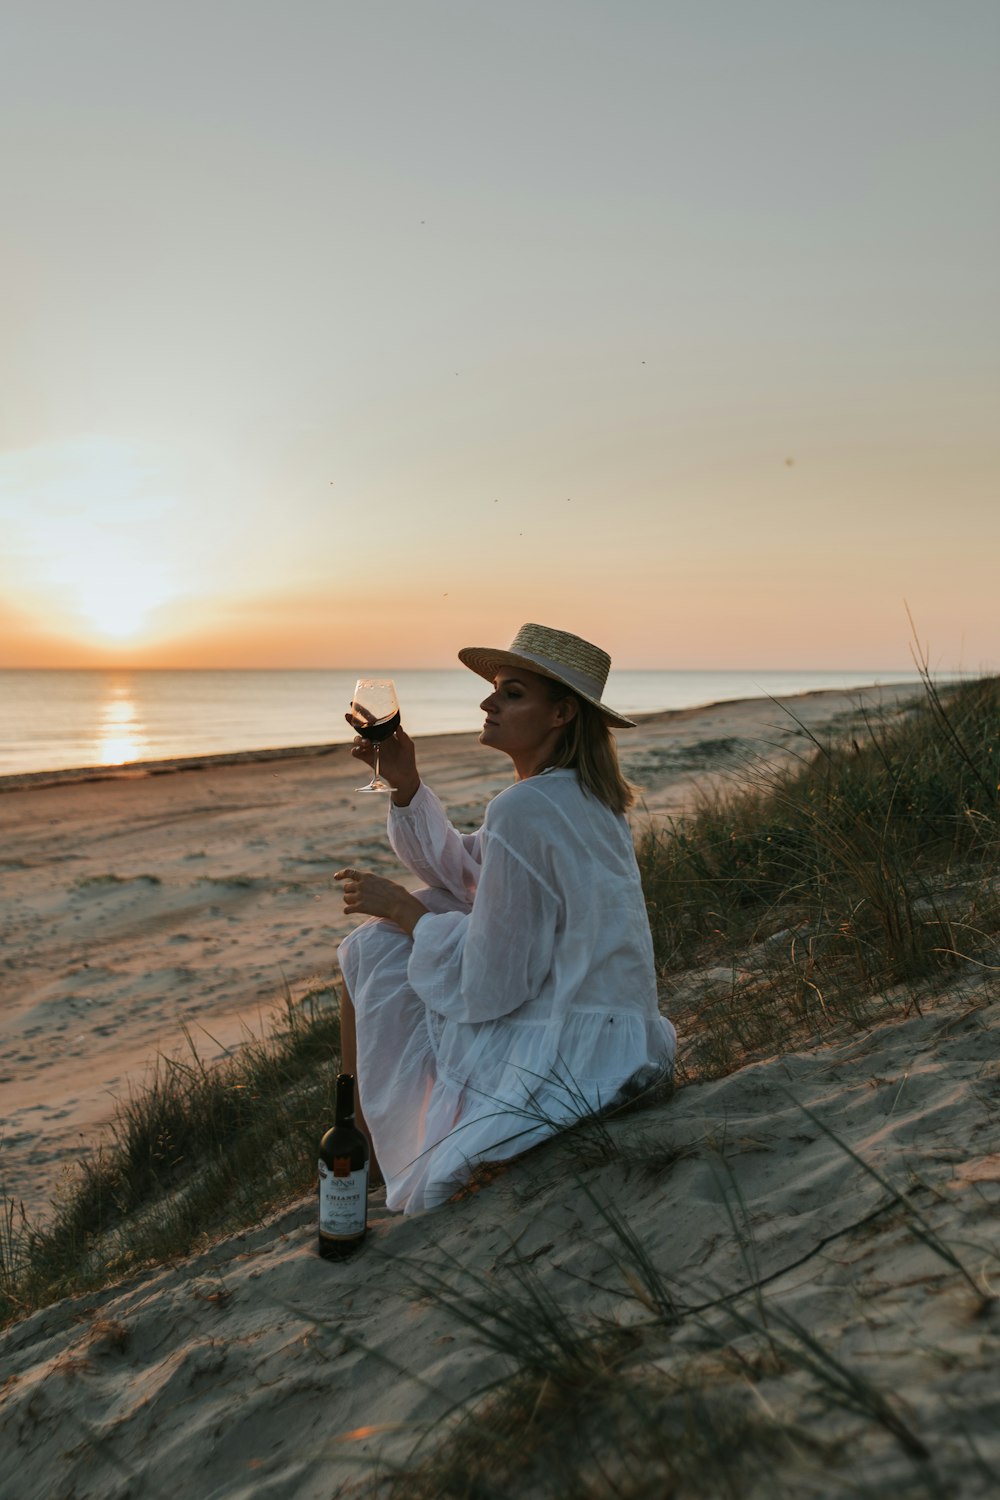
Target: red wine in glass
column 375, row 716
column 380, row 730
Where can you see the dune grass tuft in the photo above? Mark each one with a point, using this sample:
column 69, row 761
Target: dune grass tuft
column 864, row 865
column 194, row 1151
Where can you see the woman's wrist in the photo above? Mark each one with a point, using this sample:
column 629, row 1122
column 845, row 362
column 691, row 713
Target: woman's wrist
column 404, row 795
column 408, row 912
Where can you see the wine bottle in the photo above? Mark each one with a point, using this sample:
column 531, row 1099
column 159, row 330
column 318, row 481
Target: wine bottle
column 343, row 1179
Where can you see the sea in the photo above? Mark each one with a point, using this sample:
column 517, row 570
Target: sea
column 65, row 720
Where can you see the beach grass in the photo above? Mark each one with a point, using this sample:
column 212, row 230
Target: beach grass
column 814, row 891
column 194, row 1151
column 792, row 899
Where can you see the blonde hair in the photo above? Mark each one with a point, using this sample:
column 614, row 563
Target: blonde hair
column 588, row 747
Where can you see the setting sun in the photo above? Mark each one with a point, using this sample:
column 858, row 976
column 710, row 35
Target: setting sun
column 97, row 534
column 118, row 595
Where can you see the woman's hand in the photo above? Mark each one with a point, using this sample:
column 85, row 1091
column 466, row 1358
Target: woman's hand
column 374, row 896
column 397, row 761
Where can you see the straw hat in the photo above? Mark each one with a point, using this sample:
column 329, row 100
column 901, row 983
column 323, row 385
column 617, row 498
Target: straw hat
column 552, row 653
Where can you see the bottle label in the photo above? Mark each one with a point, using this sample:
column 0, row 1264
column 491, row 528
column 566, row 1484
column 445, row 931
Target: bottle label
column 343, row 1202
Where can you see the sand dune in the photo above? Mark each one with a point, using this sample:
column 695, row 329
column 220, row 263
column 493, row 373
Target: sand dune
column 257, row 1369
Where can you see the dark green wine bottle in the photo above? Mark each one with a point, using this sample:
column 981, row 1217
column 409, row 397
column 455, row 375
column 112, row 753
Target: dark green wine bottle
column 343, row 1179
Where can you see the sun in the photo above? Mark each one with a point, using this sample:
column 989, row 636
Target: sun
column 110, row 585
column 95, row 525
column 118, row 594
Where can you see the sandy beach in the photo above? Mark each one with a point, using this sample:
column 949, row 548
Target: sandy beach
column 139, row 904
column 854, row 1186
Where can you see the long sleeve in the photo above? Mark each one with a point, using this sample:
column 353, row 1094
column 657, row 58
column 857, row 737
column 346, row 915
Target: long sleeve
column 487, row 963
column 436, row 852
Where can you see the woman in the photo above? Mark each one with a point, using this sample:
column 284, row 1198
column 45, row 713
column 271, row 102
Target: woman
column 517, row 992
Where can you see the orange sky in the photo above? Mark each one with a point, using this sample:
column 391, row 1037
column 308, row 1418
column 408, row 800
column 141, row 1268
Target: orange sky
column 395, row 327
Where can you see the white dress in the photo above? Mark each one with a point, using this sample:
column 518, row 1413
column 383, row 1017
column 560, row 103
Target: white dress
column 526, row 997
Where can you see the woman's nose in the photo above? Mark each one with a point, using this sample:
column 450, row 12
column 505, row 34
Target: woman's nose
column 488, row 703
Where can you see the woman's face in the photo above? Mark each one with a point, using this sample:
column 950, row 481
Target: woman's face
column 522, row 718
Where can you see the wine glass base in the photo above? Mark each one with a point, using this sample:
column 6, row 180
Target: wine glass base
column 376, row 786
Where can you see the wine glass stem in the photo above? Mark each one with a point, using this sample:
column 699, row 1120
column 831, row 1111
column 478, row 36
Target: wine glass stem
column 376, row 764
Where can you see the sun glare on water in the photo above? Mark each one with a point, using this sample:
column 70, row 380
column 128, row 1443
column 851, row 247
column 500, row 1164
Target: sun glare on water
column 121, row 735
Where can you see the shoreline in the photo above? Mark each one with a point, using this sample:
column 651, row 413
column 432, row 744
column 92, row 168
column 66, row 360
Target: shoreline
column 170, row 765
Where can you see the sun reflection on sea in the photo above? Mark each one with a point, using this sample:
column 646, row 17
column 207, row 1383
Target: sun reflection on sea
column 122, row 737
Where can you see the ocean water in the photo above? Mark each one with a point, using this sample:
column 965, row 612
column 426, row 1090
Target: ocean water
column 60, row 720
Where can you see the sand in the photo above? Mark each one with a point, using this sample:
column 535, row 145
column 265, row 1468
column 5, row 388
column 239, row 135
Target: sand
column 135, row 904
column 256, row 1369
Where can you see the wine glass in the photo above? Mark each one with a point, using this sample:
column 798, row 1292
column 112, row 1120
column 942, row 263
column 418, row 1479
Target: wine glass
column 375, row 716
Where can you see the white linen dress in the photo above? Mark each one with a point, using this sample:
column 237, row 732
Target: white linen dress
column 525, row 998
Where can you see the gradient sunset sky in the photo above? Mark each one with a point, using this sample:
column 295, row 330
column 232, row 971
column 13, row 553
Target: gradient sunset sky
column 339, row 332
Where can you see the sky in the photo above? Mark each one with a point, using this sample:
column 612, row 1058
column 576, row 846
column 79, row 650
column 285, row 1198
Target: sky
column 336, row 332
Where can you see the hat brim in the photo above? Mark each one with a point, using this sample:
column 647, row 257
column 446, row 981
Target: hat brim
column 485, row 661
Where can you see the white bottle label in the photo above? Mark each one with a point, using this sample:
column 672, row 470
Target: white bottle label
column 343, row 1202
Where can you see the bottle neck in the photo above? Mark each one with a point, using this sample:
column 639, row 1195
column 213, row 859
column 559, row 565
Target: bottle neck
column 345, row 1099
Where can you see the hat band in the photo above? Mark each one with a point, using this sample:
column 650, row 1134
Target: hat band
column 589, row 686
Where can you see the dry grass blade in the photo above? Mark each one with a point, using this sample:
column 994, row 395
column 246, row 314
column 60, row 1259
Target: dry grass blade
column 919, row 1225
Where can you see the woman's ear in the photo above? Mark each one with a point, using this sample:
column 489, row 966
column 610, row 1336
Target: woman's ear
column 566, row 711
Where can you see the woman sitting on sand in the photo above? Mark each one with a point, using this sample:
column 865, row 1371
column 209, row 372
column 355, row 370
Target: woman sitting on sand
column 517, row 993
